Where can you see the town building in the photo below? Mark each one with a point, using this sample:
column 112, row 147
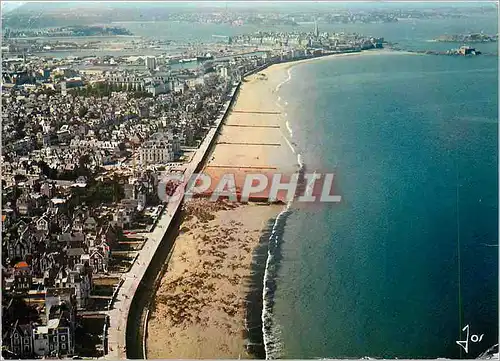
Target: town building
column 150, row 63
column 161, row 147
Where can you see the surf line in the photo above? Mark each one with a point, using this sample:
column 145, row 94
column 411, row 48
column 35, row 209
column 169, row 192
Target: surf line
column 271, row 342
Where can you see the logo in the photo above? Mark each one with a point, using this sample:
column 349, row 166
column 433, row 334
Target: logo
column 473, row 338
column 297, row 187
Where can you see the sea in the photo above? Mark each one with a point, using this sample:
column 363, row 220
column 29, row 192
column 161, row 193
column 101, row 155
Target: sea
column 409, row 257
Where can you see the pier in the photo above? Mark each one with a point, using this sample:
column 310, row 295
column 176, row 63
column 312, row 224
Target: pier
column 256, row 112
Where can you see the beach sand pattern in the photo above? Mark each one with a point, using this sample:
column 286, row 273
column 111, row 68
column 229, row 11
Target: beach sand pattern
column 199, row 307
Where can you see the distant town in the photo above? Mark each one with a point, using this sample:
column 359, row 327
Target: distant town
column 66, row 32
column 237, row 17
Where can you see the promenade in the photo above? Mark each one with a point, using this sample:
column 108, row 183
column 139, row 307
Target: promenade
column 118, row 315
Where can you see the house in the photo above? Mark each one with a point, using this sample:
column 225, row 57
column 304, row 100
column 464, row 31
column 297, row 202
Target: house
column 19, row 340
column 8, row 218
column 71, row 240
column 60, row 336
column 64, row 133
column 77, row 223
column 21, row 226
column 22, row 277
column 50, row 275
column 19, row 247
column 47, row 189
column 129, row 191
column 73, row 256
column 62, row 220
column 56, row 338
column 60, row 302
column 161, row 147
column 81, row 280
column 108, row 235
column 46, row 261
column 41, row 341
column 78, row 279
column 42, row 223
column 24, row 204
column 77, row 240
column 90, row 224
column 98, row 261
column 35, row 264
column 122, row 217
column 81, row 181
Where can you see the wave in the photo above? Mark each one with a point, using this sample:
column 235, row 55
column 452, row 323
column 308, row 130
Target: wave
column 290, row 145
column 270, row 330
column 287, row 123
column 289, row 72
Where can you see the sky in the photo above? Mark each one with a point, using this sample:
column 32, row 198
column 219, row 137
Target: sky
column 11, row 5
column 8, row 6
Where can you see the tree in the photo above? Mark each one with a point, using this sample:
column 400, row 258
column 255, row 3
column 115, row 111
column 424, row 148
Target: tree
column 21, row 311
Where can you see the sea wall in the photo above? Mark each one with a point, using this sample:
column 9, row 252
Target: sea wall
column 136, row 328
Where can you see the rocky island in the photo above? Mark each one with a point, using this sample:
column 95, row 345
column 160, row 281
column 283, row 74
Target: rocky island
column 467, row 38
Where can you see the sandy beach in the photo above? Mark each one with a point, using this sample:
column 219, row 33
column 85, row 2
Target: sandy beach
column 199, row 308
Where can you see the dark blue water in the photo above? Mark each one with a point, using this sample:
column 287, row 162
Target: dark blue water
column 414, row 141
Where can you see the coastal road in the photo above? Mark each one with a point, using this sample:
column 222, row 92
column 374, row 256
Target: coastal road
column 118, row 315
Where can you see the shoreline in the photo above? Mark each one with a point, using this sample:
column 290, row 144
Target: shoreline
column 129, row 305
column 248, row 334
column 198, row 244
column 200, row 306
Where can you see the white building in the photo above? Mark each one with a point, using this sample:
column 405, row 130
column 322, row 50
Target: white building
column 223, row 72
column 160, row 148
column 150, row 63
column 41, row 340
column 156, row 88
